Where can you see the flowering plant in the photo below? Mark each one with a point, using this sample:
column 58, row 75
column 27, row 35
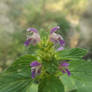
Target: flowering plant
column 47, row 67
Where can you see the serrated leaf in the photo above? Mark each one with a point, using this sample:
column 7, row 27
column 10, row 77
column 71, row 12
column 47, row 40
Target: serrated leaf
column 71, row 54
column 22, row 64
column 32, row 88
column 69, row 83
column 13, row 82
column 81, row 77
column 51, row 84
column 17, row 77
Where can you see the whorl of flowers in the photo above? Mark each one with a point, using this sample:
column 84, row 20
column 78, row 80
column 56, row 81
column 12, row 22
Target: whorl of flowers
column 47, row 62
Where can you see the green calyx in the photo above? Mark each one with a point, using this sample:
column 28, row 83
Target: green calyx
column 46, row 54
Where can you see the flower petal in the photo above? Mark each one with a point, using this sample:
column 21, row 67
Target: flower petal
column 32, row 30
column 35, row 63
column 65, row 64
column 61, row 48
column 27, row 42
column 62, row 42
column 68, row 72
column 54, row 29
column 35, row 38
column 33, row 74
column 54, row 37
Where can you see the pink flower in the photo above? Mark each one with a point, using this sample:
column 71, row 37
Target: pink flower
column 56, row 38
column 34, row 38
column 35, row 68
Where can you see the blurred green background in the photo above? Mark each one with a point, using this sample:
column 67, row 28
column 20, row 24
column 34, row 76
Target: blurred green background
column 73, row 16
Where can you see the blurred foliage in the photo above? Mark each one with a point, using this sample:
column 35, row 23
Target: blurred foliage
column 41, row 14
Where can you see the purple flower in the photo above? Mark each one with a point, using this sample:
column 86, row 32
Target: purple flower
column 68, row 72
column 61, row 41
column 56, row 38
column 64, row 68
column 35, row 69
column 32, row 30
column 54, row 29
column 65, row 64
column 60, row 48
column 27, row 42
column 34, row 38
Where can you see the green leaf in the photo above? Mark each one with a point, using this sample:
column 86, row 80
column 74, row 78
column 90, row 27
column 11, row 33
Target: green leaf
column 32, row 49
column 69, row 83
column 81, row 77
column 14, row 82
column 71, row 54
column 82, row 73
column 50, row 84
column 22, row 64
column 17, row 78
column 32, row 88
